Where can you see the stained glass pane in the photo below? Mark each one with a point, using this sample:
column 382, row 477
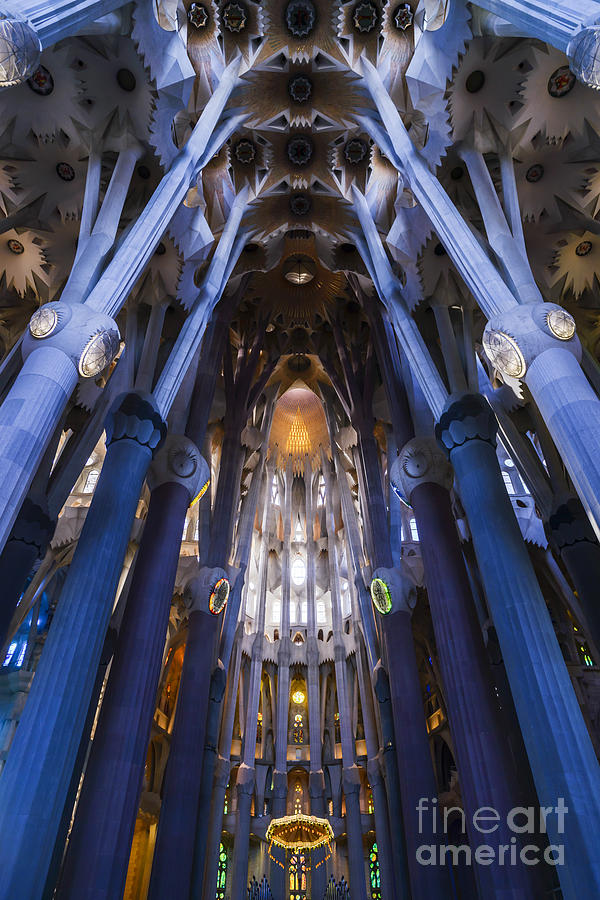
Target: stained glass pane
column 374, row 873
column 221, row 873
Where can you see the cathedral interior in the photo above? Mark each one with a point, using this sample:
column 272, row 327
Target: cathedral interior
column 299, row 450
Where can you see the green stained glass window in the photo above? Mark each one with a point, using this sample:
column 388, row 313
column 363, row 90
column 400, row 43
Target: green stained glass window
column 374, row 873
column 221, row 873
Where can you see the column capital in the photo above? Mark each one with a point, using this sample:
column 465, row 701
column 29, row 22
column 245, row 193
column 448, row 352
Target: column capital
column 316, row 784
column 568, row 524
column 279, row 784
column 466, row 418
column 205, row 592
column 374, row 771
column 392, row 592
column 514, row 339
column 90, row 339
column 351, row 779
column 134, row 416
column 20, row 49
column 180, row 462
column 222, row 772
column 421, row 461
column 246, row 779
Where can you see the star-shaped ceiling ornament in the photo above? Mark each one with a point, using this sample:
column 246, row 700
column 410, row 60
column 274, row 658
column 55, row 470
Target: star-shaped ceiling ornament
column 553, row 100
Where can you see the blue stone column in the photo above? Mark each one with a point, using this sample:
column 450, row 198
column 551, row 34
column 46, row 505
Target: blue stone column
column 27, row 541
column 415, row 767
column 100, row 841
column 562, row 759
column 174, row 850
column 35, row 781
column 564, row 25
column 486, row 770
column 537, row 344
column 62, row 343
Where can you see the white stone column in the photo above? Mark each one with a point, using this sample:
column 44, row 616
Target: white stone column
column 350, row 773
column 570, row 25
column 284, row 654
column 537, row 344
column 84, row 339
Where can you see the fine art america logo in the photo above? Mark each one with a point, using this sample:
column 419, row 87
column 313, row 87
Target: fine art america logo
column 518, row 822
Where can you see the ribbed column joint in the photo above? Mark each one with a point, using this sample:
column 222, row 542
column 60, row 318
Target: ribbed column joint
column 468, row 418
column 134, row 416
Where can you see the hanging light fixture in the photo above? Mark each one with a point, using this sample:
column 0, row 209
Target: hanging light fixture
column 299, row 269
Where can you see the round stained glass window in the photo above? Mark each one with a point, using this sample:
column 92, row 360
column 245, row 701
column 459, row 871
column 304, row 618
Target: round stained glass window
column 300, row 17
column 41, row 82
column 15, row 246
column 381, row 597
column 583, row 248
column 197, row 15
column 219, row 597
column 300, row 150
column 65, row 171
column 300, row 88
column 234, row 17
column 561, row 82
column 534, row 173
column 365, row 17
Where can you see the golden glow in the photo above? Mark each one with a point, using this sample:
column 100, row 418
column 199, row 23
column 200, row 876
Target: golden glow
column 298, row 697
column 299, row 832
column 298, row 442
column 201, row 494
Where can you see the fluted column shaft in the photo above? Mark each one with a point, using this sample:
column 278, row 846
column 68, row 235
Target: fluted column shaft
column 389, row 886
column 206, row 888
column 26, row 425
column 36, row 778
column 415, row 768
column 350, row 774
column 486, row 770
column 98, row 853
column 560, row 752
column 174, row 851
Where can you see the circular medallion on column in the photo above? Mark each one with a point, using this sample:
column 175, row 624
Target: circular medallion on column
column 381, row 597
column 503, row 352
column 561, row 324
column 392, row 591
column 584, row 52
column 219, row 596
column 98, row 353
column 19, row 50
column 43, row 322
